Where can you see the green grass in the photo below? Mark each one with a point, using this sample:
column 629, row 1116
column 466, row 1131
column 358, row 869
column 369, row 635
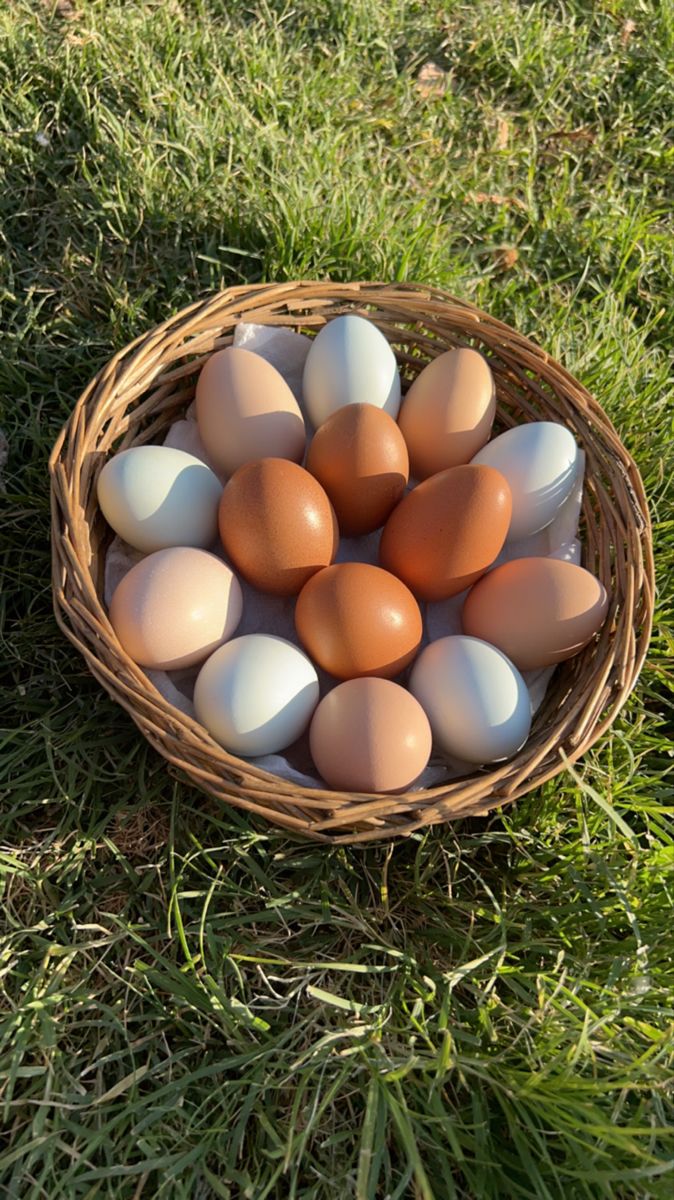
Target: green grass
column 194, row 1006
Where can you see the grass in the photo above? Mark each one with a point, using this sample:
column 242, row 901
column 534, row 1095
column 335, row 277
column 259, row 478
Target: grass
column 194, row 1006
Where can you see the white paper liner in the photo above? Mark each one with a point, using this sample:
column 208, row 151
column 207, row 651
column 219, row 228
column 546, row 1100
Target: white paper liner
column 287, row 352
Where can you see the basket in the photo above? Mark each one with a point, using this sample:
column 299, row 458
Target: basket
column 148, row 384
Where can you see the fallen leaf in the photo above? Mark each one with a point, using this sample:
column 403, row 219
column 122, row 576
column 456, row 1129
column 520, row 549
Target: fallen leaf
column 141, row 835
column 62, row 8
column 431, row 80
column 81, row 39
column 114, row 902
column 494, row 198
column 123, row 1085
column 570, row 135
column 505, row 258
column 502, row 134
column 627, row 30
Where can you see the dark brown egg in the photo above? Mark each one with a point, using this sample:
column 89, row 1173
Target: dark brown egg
column 355, row 619
column 446, row 532
column 360, row 457
column 277, row 525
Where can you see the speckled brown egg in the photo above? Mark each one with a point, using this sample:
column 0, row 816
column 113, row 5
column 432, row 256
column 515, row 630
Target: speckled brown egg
column 245, row 410
column 538, row 611
column 360, row 457
column 446, row 532
column 277, row 525
column 355, row 619
column 370, row 735
column 448, row 412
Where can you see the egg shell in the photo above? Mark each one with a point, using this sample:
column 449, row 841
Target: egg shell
column 350, row 362
column 540, row 460
column 448, row 412
column 370, row 735
column 256, row 694
column 475, row 699
column 447, row 531
column 173, row 608
column 360, row 458
column 355, row 619
column 156, row 496
column 539, row 611
column 245, row 410
column 277, row 525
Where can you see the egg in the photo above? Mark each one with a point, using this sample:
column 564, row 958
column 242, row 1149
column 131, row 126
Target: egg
column 277, row 525
column 173, row 608
column 256, row 694
column 540, row 460
column 355, row 619
column 245, row 410
column 447, row 531
column 370, row 735
column 539, row 611
column 156, row 496
column 360, row 457
column 475, row 699
column 448, row 412
column 349, row 362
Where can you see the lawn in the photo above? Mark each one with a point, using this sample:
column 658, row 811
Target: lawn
column 195, row 1006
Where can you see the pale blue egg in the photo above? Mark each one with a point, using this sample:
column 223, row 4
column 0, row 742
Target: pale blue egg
column 256, row 694
column 350, row 362
column 157, row 496
column 476, row 700
column 540, row 461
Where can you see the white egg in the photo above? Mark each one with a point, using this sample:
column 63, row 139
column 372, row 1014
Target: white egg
column 475, row 699
column 350, row 362
column 540, row 460
column 256, row 694
column 156, row 497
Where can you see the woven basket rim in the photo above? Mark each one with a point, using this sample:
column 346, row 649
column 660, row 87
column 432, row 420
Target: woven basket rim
column 141, row 389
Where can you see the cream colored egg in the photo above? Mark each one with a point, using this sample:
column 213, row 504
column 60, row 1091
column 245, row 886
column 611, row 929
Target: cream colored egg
column 176, row 607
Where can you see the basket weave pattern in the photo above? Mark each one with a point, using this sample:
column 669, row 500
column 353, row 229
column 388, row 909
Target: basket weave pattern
column 146, row 386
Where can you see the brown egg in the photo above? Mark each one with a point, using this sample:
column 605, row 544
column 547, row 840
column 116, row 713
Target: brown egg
column 538, row 611
column 175, row 607
column 447, row 531
column 448, row 412
column 245, row 410
column 355, row 619
column 370, row 735
column 360, row 457
column 277, row 525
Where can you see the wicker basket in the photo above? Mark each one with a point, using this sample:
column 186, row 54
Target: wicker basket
column 147, row 385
